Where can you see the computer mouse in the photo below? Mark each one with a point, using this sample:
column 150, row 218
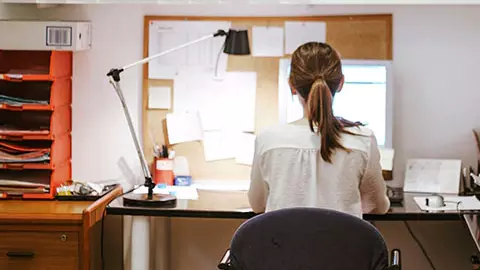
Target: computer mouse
column 436, row 201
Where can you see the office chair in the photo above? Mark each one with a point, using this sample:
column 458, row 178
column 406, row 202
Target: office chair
column 307, row 239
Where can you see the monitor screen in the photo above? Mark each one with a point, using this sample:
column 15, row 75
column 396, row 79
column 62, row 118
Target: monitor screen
column 365, row 97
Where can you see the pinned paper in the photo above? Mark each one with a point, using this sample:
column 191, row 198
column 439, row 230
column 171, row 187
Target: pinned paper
column 219, row 145
column 183, row 127
column 267, row 41
column 224, row 103
column 290, row 108
column 245, row 148
column 159, row 97
column 386, row 158
column 433, row 175
column 167, row 35
column 298, row 33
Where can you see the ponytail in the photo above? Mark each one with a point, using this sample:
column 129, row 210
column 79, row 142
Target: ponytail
column 320, row 115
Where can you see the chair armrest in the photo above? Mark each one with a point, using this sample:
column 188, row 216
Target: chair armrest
column 224, row 263
column 395, row 260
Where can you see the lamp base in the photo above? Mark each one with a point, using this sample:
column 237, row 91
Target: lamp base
column 142, row 200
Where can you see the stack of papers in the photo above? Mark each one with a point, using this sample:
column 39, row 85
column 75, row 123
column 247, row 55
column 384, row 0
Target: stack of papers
column 23, row 186
column 17, row 153
column 14, row 101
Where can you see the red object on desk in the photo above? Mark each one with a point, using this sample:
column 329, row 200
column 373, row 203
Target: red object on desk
column 163, row 171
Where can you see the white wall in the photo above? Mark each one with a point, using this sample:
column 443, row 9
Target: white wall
column 434, row 66
column 436, row 95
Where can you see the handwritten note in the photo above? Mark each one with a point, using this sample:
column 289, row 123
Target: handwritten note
column 167, row 35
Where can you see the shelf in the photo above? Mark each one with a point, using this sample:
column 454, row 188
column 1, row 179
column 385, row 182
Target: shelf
column 60, row 151
column 35, row 65
column 35, row 125
column 23, row 95
column 54, row 178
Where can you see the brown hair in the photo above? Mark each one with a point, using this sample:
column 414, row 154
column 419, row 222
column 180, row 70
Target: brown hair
column 316, row 74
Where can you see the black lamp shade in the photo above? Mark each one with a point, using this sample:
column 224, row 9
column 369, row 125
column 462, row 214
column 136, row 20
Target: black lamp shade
column 237, row 43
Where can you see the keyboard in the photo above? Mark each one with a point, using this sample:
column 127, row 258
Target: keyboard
column 395, row 195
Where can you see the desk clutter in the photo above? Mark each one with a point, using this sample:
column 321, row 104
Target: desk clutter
column 35, row 122
column 79, row 191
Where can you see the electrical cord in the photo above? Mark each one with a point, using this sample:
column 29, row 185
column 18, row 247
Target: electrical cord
column 102, row 258
column 419, row 244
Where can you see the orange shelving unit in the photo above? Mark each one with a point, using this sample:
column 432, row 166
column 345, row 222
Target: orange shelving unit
column 35, row 121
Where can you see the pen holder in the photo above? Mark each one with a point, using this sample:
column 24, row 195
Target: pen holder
column 163, row 171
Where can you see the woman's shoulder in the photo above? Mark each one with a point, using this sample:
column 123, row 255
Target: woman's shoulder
column 359, row 138
column 273, row 132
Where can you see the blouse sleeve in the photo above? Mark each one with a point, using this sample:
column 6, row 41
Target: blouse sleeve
column 372, row 186
column 258, row 191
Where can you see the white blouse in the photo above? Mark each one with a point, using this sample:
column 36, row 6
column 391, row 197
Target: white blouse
column 288, row 171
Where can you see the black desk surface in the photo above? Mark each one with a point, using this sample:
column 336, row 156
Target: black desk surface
column 234, row 204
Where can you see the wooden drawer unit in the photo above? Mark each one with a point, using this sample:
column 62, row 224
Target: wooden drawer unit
column 39, row 250
column 52, row 235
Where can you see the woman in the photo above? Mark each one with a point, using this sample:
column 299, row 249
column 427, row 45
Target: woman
column 319, row 161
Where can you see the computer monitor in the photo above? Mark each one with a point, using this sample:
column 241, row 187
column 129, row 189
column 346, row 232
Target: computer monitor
column 366, row 96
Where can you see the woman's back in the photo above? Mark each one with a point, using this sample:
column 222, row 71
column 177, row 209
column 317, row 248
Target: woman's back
column 290, row 163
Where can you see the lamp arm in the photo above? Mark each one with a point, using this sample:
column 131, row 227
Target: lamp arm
column 115, row 72
column 114, row 75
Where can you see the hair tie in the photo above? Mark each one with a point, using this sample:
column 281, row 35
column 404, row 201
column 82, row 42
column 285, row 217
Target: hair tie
column 319, row 77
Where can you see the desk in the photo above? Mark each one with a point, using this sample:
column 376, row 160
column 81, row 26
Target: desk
column 50, row 234
column 234, row 205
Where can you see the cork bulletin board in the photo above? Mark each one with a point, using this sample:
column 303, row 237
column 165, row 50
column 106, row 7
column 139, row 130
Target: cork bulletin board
column 354, row 36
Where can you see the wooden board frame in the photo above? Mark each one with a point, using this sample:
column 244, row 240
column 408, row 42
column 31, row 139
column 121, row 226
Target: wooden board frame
column 354, row 36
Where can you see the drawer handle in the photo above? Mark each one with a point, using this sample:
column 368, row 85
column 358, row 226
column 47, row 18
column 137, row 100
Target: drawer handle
column 13, row 254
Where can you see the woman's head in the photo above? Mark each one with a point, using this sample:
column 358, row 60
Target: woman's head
column 316, row 75
column 315, row 62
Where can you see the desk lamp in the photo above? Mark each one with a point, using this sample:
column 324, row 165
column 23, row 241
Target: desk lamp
column 236, row 43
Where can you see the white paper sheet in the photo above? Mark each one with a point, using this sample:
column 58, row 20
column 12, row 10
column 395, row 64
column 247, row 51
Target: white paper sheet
column 433, row 175
column 166, row 35
column 181, row 192
column 289, row 107
column 245, row 147
column 267, row 41
column 225, row 103
column 386, row 158
column 159, row 97
column 452, row 203
column 219, row 145
column 221, row 184
column 184, row 127
column 298, row 33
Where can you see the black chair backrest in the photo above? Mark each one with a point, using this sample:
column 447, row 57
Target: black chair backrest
column 307, row 239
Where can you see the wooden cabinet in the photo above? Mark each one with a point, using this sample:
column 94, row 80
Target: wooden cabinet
column 51, row 234
column 39, row 250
